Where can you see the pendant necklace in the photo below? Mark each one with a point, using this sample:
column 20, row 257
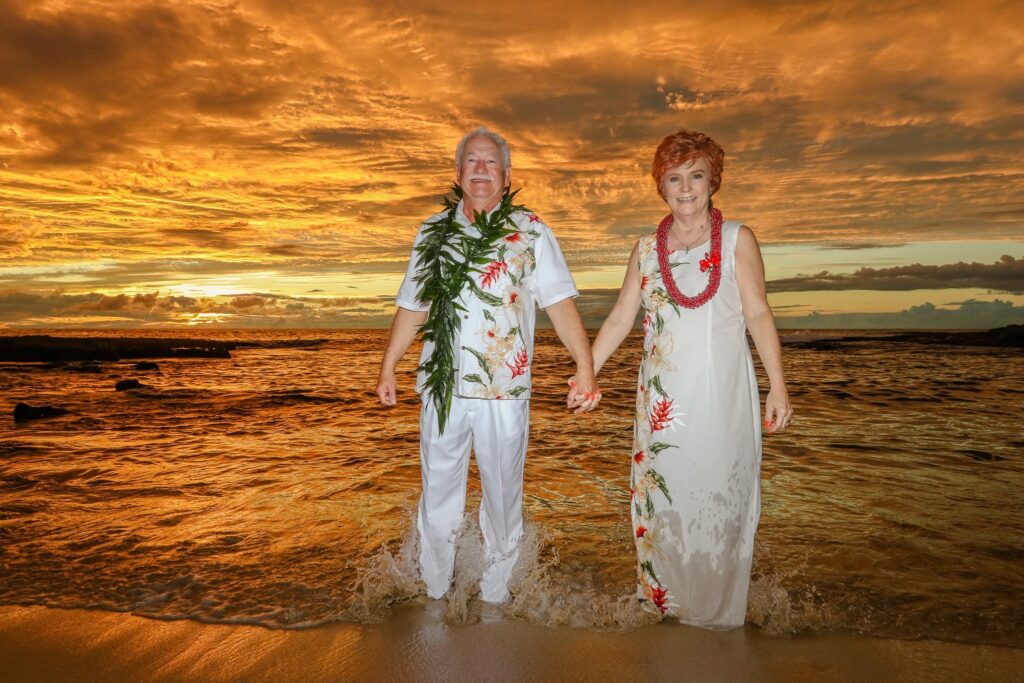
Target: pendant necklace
column 686, row 249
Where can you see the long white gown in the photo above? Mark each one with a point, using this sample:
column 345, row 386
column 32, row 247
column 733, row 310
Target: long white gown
column 697, row 443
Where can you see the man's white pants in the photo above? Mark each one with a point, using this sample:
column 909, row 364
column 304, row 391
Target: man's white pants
column 497, row 431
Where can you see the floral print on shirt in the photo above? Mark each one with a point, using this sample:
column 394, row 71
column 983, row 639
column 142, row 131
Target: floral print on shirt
column 503, row 359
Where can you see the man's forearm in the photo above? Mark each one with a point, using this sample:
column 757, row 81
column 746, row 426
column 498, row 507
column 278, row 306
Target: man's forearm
column 569, row 328
column 403, row 333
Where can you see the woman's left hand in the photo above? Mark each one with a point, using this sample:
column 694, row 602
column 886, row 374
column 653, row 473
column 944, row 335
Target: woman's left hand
column 778, row 413
column 582, row 401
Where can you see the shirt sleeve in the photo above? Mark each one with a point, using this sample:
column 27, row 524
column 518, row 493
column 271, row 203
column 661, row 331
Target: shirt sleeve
column 407, row 292
column 552, row 281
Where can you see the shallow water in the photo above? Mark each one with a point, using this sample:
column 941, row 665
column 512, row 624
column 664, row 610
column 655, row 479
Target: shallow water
column 271, row 488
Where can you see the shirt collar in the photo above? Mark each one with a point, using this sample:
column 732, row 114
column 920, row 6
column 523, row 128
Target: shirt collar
column 460, row 212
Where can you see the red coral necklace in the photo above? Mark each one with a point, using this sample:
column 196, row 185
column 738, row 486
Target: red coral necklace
column 712, row 261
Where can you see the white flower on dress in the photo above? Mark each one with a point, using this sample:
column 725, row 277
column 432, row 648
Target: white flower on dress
column 659, row 299
column 659, row 353
column 649, row 539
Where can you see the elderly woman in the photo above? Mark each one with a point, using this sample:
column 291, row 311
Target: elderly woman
column 697, row 437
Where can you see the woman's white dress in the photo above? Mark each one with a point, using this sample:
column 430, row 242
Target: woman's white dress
column 697, row 443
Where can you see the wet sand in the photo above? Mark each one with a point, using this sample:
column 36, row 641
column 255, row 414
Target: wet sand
column 414, row 644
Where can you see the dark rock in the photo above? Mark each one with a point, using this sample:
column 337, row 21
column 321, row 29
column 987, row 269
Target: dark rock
column 43, row 348
column 126, row 384
column 147, row 365
column 1010, row 336
column 24, row 411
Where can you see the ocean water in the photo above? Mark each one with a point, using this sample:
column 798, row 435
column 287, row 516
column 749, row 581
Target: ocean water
column 272, row 488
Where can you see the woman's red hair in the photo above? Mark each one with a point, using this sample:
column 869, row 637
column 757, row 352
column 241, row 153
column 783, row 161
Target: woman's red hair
column 688, row 145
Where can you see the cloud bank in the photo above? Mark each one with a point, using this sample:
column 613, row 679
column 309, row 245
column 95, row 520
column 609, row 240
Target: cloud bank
column 1005, row 275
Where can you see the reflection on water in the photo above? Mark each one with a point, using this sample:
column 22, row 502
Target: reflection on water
column 271, row 488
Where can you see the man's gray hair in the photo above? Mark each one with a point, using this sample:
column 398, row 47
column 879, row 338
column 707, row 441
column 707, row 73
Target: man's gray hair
column 506, row 155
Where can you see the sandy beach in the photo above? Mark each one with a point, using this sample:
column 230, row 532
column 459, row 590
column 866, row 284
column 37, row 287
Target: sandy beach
column 414, row 644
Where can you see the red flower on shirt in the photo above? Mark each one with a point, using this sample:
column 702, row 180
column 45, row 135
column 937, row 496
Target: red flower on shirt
column 533, row 218
column 492, row 271
column 519, row 364
column 641, row 531
column 638, row 457
column 514, row 237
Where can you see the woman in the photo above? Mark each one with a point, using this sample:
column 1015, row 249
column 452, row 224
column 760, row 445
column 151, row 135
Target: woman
column 697, row 437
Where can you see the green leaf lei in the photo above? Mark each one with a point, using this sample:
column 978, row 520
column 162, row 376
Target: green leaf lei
column 448, row 260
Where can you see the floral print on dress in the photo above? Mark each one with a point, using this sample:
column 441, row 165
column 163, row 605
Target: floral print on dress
column 656, row 413
column 503, row 359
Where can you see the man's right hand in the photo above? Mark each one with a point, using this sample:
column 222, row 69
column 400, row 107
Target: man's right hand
column 403, row 332
column 386, row 388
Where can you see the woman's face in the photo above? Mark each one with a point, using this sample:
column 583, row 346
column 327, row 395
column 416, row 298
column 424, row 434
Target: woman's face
column 687, row 188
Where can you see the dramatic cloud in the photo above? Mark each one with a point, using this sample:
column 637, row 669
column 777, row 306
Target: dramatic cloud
column 146, row 144
column 1005, row 275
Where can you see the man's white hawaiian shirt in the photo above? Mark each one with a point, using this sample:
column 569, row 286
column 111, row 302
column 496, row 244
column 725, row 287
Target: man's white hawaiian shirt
column 495, row 346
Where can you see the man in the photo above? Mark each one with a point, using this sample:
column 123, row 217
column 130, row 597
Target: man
column 473, row 277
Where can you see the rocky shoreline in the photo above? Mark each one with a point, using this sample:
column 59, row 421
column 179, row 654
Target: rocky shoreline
column 49, row 349
column 1010, row 336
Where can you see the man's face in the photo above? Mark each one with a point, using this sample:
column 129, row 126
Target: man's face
column 482, row 173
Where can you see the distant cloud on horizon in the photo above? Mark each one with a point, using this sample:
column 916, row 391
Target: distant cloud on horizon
column 594, row 306
column 968, row 315
column 1005, row 275
column 26, row 312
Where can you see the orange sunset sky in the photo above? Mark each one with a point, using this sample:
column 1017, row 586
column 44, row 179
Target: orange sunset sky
column 266, row 163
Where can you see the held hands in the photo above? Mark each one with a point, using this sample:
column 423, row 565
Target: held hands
column 778, row 413
column 386, row 388
column 584, row 394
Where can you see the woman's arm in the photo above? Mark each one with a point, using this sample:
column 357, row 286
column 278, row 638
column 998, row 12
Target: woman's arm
column 761, row 323
column 620, row 321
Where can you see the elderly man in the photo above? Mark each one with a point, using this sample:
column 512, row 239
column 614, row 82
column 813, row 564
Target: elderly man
column 475, row 272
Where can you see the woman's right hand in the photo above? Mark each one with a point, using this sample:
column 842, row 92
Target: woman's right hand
column 777, row 410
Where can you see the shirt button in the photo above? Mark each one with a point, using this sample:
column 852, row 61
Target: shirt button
column 465, row 317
